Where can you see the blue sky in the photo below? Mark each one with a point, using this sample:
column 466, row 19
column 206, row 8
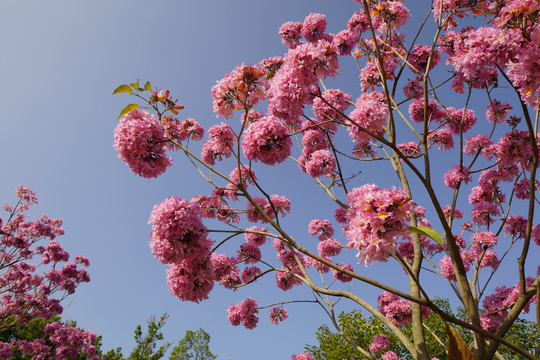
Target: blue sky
column 60, row 62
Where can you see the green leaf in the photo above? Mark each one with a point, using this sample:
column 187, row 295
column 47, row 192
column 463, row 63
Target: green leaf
column 429, row 232
column 147, row 86
column 135, row 85
column 127, row 109
column 123, row 89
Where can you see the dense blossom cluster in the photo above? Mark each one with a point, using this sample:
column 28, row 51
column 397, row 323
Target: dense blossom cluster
column 179, row 239
column 140, row 140
column 25, row 247
column 376, row 220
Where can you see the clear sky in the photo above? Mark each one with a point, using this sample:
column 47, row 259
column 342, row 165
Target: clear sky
column 60, row 62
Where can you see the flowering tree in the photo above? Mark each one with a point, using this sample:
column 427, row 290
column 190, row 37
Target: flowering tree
column 35, row 277
column 400, row 116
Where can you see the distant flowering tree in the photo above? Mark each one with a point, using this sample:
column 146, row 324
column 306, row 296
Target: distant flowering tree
column 401, row 116
column 35, row 276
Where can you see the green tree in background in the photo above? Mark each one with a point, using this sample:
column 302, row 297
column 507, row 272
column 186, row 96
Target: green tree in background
column 194, row 345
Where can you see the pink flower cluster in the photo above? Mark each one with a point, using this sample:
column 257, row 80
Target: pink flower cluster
column 242, row 88
column 278, row 314
column 179, row 239
column 27, row 294
column 70, row 341
column 293, row 85
column 496, row 305
column 376, row 219
column 475, row 54
column 379, row 343
column 244, row 312
column 221, row 140
column 302, row 356
column 398, row 311
column 139, row 140
column 267, row 141
column 277, row 205
column 369, row 116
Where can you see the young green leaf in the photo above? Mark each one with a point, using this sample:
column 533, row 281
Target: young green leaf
column 429, row 232
column 135, row 85
column 127, row 109
column 123, row 89
column 147, row 86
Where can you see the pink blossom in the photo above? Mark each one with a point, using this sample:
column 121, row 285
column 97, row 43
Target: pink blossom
column 341, row 215
column 420, row 55
column 244, row 312
column 389, row 13
column 390, row 355
column 376, row 220
column 379, row 343
column 447, row 269
column 535, row 236
column 139, row 141
column 221, row 140
column 416, row 110
column 485, row 212
column 523, row 69
column 485, row 238
column 458, row 174
column 490, row 259
column 410, row 149
column 358, row 22
column 384, row 299
column 459, row 121
column 177, row 131
column 476, row 143
column 277, row 314
column 497, row 111
column 345, row 41
column 277, row 205
column 515, row 226
column 255, row 238
column 329, row 247
column 341, row 276
column 369, row 115
column 314, row 27
column 192, row 279
column 249, row 253
column 177, row 231
column 223, row 266
column 302, row 356
column 319, row 266
column 442, row 138
column 295, row 82
column 233, row 315
column 323, row 229
column 267, row 141
column 285, row 281
column 242, row 88
column 324, row 113
column 479, row 51
column 399, row 312
column 250, row 274
column 413, row 88
column 291, row 33
column 406, row 249
column 370, row 75
column 458, row 214
column 320, row 163
column 313, row 140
